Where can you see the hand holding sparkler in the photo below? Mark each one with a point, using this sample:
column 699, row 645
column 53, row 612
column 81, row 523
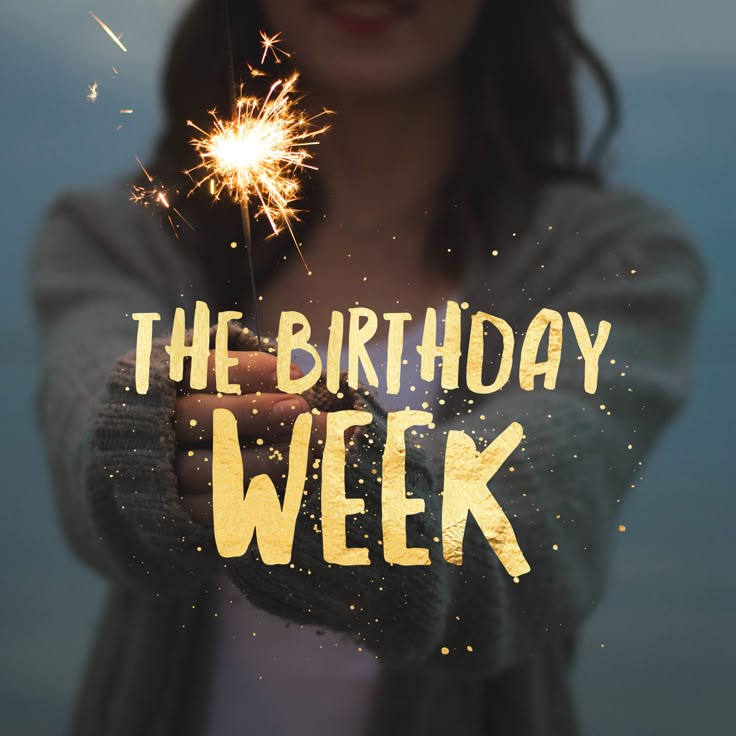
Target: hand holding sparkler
column 265, row 419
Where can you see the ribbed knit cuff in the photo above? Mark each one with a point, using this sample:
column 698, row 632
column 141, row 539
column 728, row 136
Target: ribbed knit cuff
column 132, row 485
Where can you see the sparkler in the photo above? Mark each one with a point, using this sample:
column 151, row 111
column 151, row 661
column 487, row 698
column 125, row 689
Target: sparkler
column 270, row 44
column 259, row 152
column 109, row 32
column 157, row 196
column 256, row 72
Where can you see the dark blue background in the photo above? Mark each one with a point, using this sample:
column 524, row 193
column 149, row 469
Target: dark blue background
column 666, row 621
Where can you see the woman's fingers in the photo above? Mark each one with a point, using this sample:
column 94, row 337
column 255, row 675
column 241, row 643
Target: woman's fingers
column 199, row 508
column 253, row 371
column 193, row 467
column 268, row 416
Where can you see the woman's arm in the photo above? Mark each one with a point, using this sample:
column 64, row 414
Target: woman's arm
column 112, row 453
column 96, row 261
column 577, row 463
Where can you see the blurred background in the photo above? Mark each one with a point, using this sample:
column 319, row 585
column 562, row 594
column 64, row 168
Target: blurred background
column 658, row 655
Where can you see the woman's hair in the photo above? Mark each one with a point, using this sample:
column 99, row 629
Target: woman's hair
column 523, row 124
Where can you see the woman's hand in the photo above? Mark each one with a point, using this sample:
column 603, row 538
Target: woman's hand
column 265, row 420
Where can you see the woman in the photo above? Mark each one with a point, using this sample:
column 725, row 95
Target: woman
column 453, row 170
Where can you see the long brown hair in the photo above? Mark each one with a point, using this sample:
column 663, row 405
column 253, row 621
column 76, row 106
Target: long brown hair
column 523, row 123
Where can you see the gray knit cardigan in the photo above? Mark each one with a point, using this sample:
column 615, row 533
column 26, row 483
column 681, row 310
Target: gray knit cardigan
column 609, row 255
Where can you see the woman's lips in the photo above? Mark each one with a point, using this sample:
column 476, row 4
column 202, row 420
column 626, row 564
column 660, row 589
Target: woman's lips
column 365, row 17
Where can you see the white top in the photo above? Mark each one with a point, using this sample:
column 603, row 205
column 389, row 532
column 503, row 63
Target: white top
column 273, row 678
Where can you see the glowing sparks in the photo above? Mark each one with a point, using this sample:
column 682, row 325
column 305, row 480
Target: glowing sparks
column 126, row 112
column 109, row 32
column 258, row 153
column 94, row 92
column 270, row 43
column 156, row 196
column 255, row 71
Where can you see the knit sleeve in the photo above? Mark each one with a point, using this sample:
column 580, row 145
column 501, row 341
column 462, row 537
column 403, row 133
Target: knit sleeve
column 560, row 489
column 581, row 454
column 110, row 449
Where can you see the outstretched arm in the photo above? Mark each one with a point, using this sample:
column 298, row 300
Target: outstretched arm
column 95, row 262
column 560, row 490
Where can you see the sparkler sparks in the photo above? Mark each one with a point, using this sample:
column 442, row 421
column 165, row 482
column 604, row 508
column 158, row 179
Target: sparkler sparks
column 269, row 43
column 156, row 196
column 93, row 93
column 258, row 153
column 109, row 32
column 255, row 71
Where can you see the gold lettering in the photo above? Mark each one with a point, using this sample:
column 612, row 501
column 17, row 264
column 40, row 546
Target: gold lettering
column 223, row 361
column 334, row 352
column 144, row 343
column 474, row 371
column 529, row 368
column 238, row 519
column 358, row 336
column 335, row 506
column 449, row 352
column 395, row 349
column 199, row 351
column 290, row 340
column 395, row 504
column 467, row 474
column 591, row 351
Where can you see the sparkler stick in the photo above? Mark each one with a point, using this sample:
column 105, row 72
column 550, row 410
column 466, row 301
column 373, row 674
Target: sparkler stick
column 258, row 152
column 244, row 210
